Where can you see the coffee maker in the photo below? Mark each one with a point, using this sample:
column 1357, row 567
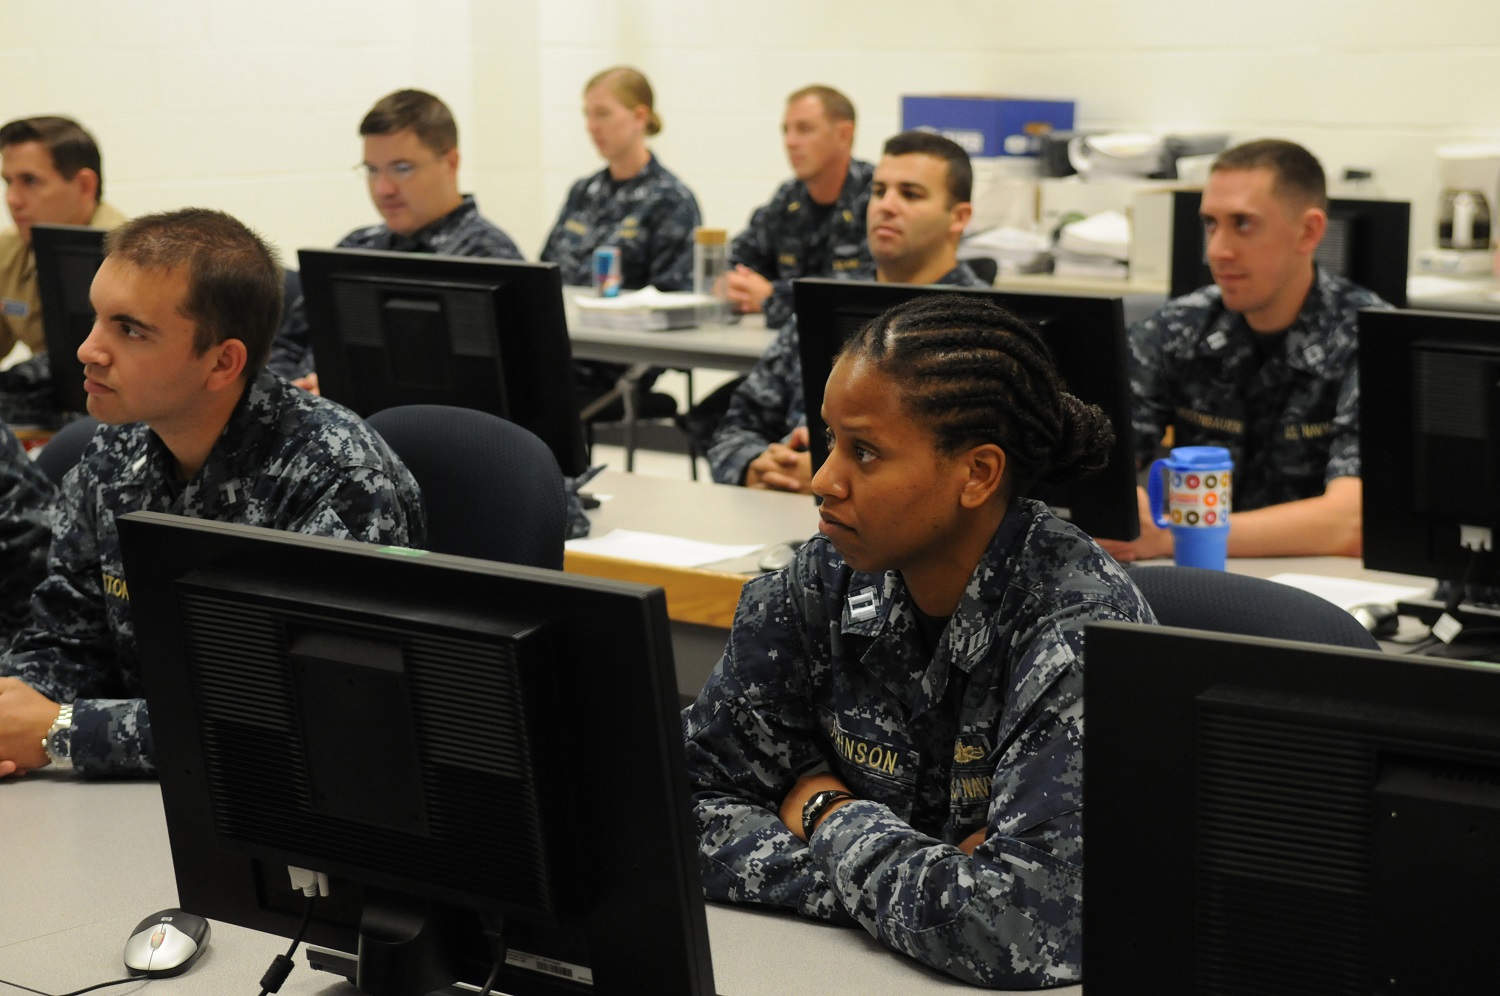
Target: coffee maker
column 1470, row 175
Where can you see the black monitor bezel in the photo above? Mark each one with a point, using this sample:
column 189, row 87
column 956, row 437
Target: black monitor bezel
column 1096, row 370
column 48, row 242
column 643, row 849
column 1149, row 689
column 538, row 390
column 1380, row 245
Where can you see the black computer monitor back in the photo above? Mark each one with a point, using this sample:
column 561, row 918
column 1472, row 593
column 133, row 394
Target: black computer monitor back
column 1367, row 241
column 1430, row 443
column 1269, row 816
column 454, row 742
column 392, row 328
column 67, row 257
column 1086, row 335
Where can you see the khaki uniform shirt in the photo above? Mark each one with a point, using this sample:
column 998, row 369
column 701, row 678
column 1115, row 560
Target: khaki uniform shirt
column 20, row 302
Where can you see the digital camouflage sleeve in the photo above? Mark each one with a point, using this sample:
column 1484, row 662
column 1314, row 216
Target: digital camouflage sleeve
column 26, row 498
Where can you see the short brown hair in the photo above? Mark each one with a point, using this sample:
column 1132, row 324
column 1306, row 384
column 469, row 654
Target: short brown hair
column 631, row 88
column 417, row 111
column 1298, row 176
column 71, row 147
column 929, row 143
column 835, row 105
column 234, row 277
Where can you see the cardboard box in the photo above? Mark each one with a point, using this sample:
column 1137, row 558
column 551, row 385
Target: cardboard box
column 988, row 125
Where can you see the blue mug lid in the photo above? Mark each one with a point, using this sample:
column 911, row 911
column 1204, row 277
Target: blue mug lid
column 1199, row 457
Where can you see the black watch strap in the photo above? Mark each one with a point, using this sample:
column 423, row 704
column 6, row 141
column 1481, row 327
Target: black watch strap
column 817, row 805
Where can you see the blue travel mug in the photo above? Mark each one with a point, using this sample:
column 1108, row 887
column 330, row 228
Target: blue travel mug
column 1189, row 494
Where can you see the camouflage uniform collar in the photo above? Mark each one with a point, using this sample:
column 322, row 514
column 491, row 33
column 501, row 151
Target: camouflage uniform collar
column 1230, row 341
column 255, row 408
column 430, row 237
column 856, row 183
column 649, row 172
column 880, row 607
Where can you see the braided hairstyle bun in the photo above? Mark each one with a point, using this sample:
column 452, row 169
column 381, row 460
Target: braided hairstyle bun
column 977, row 374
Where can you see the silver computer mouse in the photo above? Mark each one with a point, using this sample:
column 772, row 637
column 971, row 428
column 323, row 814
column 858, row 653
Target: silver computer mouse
column 777, row 556
column 166, row 944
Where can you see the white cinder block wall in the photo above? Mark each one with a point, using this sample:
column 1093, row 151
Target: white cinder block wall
column 252, row 107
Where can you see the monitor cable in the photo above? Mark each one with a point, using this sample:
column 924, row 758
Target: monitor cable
column 1448, row 628
column 282, row 965
column 494, row 932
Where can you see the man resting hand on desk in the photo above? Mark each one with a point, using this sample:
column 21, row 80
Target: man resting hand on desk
column 1263, row 363
column 919, row 205
column 187, row 303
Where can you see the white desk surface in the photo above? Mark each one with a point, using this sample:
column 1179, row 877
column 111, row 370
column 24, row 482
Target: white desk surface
column 736, row 346
column 87, row 861
column 701, row 510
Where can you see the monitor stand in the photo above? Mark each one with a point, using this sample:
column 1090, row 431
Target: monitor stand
column 346, row 966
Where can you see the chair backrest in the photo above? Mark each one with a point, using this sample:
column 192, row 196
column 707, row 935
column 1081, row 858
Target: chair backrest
column 1195, row 598
column 491, row 488
column 984, row 268
column 65, row 448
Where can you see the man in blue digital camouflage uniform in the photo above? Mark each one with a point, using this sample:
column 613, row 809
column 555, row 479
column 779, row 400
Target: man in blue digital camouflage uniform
column 411, row 162
column 814, row 225
column 187, row 303
column 1262, row 362
column 26, row 497
column 919, row 205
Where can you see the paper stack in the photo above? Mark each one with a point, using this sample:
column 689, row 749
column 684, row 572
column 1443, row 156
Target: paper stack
column 1096, row 246
column 647, row 308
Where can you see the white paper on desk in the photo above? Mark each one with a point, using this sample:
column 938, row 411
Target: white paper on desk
column 1349, row 592
column 645, row 299
column 655, row 548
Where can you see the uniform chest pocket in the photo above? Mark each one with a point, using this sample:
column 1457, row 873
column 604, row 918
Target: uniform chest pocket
column 870, row 763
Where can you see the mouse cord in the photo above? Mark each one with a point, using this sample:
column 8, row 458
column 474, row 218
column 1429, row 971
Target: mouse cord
column 282, row 965
column 77, row 992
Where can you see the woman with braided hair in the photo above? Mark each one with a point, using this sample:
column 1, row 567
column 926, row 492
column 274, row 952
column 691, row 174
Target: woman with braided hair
column 894, row 734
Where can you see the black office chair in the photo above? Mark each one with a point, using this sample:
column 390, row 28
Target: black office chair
column 630, row 404
column 1194, row 598
column 984, row 268
column 491, row 488
column 65, row 448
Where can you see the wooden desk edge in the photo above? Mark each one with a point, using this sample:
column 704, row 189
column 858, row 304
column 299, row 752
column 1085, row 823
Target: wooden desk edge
column 694, row 595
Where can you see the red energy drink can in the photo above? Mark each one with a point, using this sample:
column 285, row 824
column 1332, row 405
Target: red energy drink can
column 607, row 271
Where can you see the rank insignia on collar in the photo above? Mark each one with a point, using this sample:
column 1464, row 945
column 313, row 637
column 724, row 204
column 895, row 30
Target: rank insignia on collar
column 862, row 605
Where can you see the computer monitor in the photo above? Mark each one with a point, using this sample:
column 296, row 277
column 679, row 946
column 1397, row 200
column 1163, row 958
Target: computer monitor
column 397, row 328
column 1367, row 242
column 67, row 257
column 1429, row 431
column 454, row 742
column 1087, row 338
column 1269, row 816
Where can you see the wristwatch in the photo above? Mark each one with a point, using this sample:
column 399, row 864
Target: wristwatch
column 58, row 743
column 817, row 805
